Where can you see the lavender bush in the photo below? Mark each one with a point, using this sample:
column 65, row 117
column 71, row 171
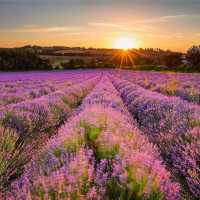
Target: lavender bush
column 32, row 123
column 185, row 86
column 98, row 154
column 169, row 123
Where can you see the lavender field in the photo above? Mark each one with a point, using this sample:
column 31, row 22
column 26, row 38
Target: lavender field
column 99, row 134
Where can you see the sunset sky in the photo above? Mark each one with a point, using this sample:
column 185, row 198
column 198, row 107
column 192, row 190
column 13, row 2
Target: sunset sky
column 167, row 24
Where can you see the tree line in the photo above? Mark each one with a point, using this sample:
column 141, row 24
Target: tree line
column 29, row 58
column 21, row 59
column 144, row 59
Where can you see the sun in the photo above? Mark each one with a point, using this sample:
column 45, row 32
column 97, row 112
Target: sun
column 125, row 43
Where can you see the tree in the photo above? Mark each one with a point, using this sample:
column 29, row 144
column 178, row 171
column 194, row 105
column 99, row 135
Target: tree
column 71, row 63
column 92, row 63
column 79, row 63
column 172, row 60
column 193, row 57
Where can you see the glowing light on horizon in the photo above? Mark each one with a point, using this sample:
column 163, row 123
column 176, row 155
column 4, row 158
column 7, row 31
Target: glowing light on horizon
column 125, row 43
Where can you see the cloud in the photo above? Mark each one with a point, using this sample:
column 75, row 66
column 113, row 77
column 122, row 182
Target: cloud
column 173, row 16
column 77, row 33
column 76, row 30
column 39, row 29
column 120, row 27
column 36, row 29
column 105, row 25
column 140, row 28
column 31, row 26
column 167, row 36
column 162, row 19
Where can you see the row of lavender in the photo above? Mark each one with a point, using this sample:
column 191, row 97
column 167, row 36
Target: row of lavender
column 18, row 87
column 185, row 86
column 26, row 126
column 173, row 125
column 98, row 154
